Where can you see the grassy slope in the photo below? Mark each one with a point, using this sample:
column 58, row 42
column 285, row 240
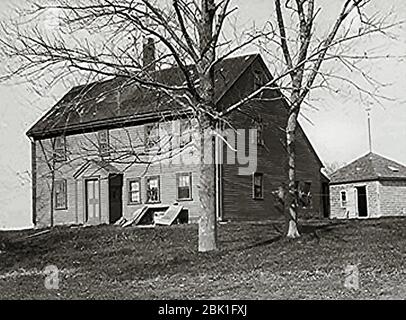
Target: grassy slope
column 253, row 263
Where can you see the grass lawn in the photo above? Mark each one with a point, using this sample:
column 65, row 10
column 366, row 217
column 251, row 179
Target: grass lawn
column 254, row 262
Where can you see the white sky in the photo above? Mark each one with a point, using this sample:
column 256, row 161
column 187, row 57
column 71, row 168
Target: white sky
column 338, row 133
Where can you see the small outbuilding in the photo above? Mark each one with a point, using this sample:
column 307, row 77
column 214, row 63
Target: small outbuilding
column 369, row 187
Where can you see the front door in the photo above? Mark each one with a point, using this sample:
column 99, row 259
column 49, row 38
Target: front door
column 93, row 201
column 115, row 197
column 362, row 201
column 325, row 199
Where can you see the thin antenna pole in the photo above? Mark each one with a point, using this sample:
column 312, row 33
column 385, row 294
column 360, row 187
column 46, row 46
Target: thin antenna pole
column 369, row 129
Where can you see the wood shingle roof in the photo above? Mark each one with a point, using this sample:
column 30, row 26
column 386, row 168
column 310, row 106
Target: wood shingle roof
column 368, row 168
column 119, row 100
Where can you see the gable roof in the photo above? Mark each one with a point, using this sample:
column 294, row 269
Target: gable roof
column 118, row 101
column 369, row 167
column 96, row 166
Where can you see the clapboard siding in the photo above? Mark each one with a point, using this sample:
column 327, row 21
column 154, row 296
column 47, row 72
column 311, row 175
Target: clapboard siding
column 238, row 202
column 128, row 157
column 126, row 144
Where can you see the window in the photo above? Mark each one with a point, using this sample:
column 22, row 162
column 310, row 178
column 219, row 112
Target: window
column 258, row 186
column 60, row 148
column 343, row 197
column 258, row 128
column 153, row 190
column 393, row 169
column 60, row 195
column 166, row 136
column 184, row 185
column 151, row 136
column 134, row 191
column 305, row 195
column 104, row 146
column 258, row 80
column 185, row 132
column 260, row 134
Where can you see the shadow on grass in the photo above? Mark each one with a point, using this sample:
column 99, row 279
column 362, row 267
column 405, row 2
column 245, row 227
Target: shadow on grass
column 263, row 243
column 312, row 229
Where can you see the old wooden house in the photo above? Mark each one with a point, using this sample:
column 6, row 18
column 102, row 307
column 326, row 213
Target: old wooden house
column 95, row 157
column 369, row 187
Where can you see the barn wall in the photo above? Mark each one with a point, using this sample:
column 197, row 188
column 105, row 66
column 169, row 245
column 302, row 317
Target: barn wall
column 350, row 210
column 393, row 198
column 238, row 202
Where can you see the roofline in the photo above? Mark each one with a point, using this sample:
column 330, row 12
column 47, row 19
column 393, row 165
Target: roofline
column 350, row 163
column 368, row 180
column 110, row 123
column 261, row 61
column 124, row 119
column 30, row 132
column 307, row 140
column 255, row 55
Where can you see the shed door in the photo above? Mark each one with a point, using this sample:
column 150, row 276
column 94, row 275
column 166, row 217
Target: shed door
column 93, row 201
column 362, row 201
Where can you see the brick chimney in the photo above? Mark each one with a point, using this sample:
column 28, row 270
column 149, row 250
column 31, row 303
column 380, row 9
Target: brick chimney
column 148, row 55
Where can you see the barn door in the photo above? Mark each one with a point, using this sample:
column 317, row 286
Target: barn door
column 92, row 201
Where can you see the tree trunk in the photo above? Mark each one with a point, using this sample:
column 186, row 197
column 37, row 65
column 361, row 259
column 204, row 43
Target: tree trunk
column 292, row 208
column 208, row 219
column 207, row 222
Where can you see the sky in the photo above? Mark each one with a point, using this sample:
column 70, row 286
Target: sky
column 338, row 129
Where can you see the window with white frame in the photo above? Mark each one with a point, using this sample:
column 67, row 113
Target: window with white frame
column 134, row 191
column 153, row 190
column 185, row 132
column 60, row 148
column 184, row 185
column 104, row 146
column 151, row 136
column 61, row 198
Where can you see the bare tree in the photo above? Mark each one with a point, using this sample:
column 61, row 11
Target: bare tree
column 299, row 55
column 304, row 56
column 101, row 38
column 330, row 168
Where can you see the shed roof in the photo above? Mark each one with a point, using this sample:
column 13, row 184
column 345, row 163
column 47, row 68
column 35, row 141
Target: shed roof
column 119, row 100
column 372, row 166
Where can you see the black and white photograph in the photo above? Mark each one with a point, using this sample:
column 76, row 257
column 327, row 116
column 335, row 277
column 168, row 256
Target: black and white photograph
column 222, row 151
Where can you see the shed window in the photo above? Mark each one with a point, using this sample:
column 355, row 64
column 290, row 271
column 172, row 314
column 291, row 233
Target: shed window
column 258, row 186
column 104, row 146
column 60, row 148
column 153, row 190
column 134, row 191
column 343, row 197
column 184, row 183
column 60, row 195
